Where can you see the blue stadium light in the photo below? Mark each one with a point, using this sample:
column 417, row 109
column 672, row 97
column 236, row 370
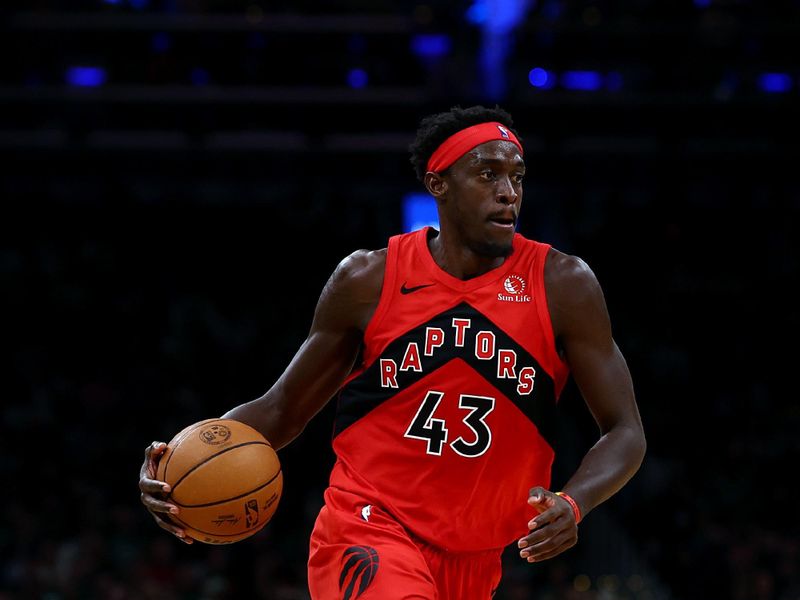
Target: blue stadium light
column 430, row 45
column 357, row 78
column 419, row 210
column 161, row 42
column 139, row 4
column 541, row 78
column 775, row 83
column 498, row 21
column 702, row 3
column 478, row 12
column 86, row 76
column 582, row 80
column 112, row 1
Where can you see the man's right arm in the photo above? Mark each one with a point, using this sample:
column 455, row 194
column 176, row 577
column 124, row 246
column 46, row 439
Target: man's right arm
column 313, row 377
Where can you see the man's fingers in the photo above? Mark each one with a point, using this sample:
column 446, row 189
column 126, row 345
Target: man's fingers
column 540, row 535
column 147, row 483
column 153, row 486
column 153, row 489
column 553, row 511
column 537, row 555
column 559, row 529
column 541, row 499
column 153, row 503
column 557, row 540
column 549, row 547
column 151, row 456
column 548, row 516
column 545, row 516
column 545, row 555
column 154, row 449
column 168, row 526
column 537, row 494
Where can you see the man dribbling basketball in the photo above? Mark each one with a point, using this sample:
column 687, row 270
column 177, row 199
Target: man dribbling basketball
column 465, row 338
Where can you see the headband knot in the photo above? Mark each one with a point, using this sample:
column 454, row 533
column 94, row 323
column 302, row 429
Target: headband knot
column 461, row 142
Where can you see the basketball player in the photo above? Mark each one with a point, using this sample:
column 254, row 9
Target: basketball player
column 446, row 352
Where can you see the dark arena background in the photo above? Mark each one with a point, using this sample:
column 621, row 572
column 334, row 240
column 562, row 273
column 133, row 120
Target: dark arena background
column 179, row 178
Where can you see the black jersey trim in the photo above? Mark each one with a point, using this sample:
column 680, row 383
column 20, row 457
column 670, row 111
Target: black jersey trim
column 364, row 393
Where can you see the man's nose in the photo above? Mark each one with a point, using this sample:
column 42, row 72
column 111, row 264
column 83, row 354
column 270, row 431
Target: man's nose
column 506, row 193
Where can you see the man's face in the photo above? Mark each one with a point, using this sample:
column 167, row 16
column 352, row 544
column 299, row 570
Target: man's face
column 484, row 196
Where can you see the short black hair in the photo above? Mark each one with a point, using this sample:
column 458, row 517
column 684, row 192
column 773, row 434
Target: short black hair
column 435, row 129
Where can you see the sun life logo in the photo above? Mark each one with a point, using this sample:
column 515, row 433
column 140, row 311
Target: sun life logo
column 514, row 284
column 514, row 287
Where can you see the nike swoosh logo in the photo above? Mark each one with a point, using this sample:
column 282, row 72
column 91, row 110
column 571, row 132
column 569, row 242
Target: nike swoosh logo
column 408, row 290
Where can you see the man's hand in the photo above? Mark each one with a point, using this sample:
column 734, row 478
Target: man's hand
column 553, row 530
column 153, row 490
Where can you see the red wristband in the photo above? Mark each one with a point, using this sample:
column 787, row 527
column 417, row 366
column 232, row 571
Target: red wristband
column 575, row 508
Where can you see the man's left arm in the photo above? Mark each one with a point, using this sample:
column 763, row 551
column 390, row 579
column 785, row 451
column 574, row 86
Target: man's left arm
column 583, row 333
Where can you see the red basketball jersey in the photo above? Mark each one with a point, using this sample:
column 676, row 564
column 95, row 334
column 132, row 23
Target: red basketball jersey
column 446, row 421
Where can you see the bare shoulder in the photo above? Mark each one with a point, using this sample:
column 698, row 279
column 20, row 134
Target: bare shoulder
column 351, row 295
column 362, row 262
column 568, row 274
column 574, row 294
column 360, row 272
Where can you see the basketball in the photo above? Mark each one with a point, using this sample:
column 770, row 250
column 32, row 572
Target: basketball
column 225, row 477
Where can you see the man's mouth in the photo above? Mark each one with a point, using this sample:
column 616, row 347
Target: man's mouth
column 503, row 221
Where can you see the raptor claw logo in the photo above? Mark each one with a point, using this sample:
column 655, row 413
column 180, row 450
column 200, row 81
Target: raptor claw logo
column 358, row 571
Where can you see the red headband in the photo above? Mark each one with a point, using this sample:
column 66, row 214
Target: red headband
column 461, row 142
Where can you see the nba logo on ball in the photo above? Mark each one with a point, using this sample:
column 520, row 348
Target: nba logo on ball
column 251, row 513
column 215, row 434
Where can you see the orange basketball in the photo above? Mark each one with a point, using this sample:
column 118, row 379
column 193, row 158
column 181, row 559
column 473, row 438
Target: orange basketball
column 225, row 477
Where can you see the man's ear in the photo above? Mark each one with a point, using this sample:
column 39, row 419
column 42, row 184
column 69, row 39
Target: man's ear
column 436, row 185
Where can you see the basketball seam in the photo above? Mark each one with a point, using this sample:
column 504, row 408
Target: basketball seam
column 185, row 435
column 254, row 490
column 175, row 445
column 208, row 458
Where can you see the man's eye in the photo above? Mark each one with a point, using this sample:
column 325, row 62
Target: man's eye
column 487, row 174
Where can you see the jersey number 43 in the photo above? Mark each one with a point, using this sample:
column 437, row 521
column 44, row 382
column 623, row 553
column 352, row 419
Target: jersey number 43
column 434, row 431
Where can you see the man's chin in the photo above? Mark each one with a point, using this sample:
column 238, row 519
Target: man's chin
column 493, row 249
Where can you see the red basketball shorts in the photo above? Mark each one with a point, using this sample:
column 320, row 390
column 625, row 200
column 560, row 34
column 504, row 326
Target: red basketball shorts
column 358, row 551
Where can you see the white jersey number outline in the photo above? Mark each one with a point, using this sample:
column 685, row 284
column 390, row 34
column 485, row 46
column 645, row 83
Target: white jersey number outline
column 434, row 431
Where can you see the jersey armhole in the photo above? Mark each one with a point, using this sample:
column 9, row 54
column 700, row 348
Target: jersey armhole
column 389, row 277
column 559, row 368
